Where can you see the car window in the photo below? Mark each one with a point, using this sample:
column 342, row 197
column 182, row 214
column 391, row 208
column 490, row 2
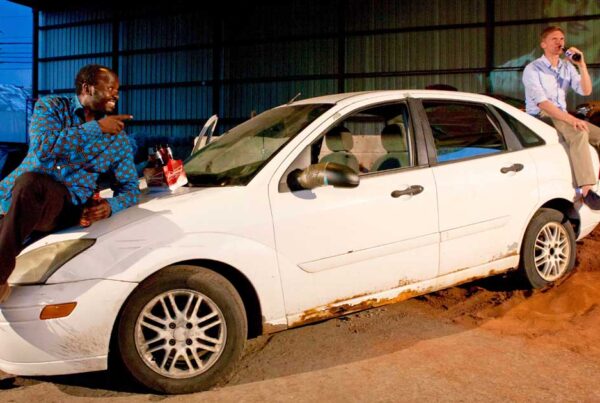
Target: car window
column 371, row 140
column 526, row 136
column 240, row 153
column 462, row 130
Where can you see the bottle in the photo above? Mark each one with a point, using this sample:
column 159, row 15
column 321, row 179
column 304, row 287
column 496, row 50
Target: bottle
column 572, row 55
column 94, row 201
column 158, row 157
column 169, row 152
column 151, row 158
column 164, row 154
column 96, row 196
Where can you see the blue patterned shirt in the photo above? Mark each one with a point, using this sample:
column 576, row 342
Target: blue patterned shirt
column 546, row 83
column 74, row 153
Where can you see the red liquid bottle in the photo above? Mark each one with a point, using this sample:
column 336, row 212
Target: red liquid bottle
column 95, row 200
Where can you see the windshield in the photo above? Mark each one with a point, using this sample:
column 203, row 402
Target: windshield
column 240, row 153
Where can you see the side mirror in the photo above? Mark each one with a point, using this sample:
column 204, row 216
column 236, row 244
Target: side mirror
column 324, row 174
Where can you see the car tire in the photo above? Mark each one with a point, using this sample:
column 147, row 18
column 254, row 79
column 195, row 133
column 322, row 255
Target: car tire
column 181, row 330
column 548, row 252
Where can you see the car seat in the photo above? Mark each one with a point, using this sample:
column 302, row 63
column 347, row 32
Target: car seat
column 393, row 139
column 339, row 141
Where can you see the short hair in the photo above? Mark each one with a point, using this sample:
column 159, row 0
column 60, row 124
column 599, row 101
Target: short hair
column 548, row 30
column 89, row 75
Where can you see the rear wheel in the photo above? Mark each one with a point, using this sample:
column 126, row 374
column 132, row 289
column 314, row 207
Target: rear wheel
column 182, row 330
column 548, row 248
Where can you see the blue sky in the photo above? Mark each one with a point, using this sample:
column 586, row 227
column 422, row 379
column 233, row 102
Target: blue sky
column 15, row 58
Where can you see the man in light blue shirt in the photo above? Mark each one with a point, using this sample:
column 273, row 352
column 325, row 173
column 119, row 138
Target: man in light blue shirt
column 547, row 81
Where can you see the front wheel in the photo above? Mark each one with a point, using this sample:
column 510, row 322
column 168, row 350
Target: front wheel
column 548, row 253
column 182, row 330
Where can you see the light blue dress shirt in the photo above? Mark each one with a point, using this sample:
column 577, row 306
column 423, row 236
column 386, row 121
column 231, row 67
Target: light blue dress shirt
column 546, row 83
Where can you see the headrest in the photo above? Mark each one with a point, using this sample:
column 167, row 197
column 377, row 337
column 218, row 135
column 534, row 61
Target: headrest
column 339, row 139
column 392, row 138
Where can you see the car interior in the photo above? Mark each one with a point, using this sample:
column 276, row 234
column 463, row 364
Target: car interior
column 393, row 139
column 463, row 130
column 371, row 140
column 339, row 141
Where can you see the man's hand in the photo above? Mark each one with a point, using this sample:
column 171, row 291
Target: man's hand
column 573, row 51
column 578, row 124
column 586, row 81
column 113, row 124
column 552, row 111
column 94, row 213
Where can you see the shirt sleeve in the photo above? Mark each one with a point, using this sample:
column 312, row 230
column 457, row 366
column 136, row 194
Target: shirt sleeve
column 49, row 140
column 575, row 79
column 126, row 189
column 533, row 86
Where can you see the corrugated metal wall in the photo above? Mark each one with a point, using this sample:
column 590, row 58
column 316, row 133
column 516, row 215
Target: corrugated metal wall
column 271, row 53
column 516, row 43
column 364, row 15
column 402, row 52
column 179, row 65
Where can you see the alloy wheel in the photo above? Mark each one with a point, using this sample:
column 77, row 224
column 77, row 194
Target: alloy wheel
column 180, row 333
column 552, row 251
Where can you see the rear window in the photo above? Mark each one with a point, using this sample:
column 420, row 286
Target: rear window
column 526, row 136
column 462, row 130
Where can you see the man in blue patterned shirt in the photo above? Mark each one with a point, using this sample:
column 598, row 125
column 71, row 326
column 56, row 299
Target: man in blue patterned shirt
column 72, row 142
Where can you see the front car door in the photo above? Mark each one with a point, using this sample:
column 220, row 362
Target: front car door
column 336, row 244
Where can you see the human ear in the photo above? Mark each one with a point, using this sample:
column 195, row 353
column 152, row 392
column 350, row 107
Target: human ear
column 87, row 89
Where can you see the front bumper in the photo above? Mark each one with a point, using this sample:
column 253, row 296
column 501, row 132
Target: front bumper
column 76, row 343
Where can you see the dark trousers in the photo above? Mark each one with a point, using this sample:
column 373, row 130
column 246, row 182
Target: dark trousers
column 38, row 204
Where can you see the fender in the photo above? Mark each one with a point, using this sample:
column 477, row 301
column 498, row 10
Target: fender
column 556, row 182
column 123, row 260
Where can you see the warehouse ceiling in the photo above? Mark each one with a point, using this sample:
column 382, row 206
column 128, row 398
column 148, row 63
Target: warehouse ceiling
column 45, row 5
column 59, row 5
column 56, row 5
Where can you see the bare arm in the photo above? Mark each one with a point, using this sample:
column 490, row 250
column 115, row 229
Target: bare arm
column 586, row 81
column 554, row 112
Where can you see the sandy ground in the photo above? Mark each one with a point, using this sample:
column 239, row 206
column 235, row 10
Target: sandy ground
column 489, row 340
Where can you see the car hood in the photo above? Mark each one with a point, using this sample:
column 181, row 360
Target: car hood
column 154, row 202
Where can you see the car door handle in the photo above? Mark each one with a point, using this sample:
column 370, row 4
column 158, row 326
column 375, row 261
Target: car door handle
column 411, row 191
column 513, row 168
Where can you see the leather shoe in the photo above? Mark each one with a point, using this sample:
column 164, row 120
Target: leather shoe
column 592, row 200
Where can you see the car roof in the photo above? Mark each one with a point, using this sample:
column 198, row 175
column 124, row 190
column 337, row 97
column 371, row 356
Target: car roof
column 364, row 95
column 542, row 129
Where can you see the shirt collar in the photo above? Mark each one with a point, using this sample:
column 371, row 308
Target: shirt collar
column 545, row 60
column 76, row 107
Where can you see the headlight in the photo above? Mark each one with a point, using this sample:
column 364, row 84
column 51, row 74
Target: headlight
column 37, row 266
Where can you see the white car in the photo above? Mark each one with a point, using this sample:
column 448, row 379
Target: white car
column 307, row 211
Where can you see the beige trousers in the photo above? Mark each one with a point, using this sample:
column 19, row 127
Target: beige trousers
column 579, row 153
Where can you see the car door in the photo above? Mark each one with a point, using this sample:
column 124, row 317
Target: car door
column 333, row 243
column 486, row 183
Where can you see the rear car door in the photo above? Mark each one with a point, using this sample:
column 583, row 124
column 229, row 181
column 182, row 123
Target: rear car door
column 486, row 182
